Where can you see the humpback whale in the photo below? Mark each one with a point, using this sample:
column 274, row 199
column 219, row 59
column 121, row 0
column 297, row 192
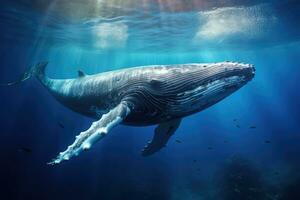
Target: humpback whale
column 141, row 96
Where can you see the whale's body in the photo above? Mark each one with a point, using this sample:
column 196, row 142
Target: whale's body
column 139, row 96
column 155, row 93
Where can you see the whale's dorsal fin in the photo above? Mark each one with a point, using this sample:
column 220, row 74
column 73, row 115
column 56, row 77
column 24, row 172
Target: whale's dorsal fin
column 162, row 134
column 81, row 74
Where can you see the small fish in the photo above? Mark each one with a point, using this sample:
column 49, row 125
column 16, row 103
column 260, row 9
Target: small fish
column 194, row 160
column 253, row 189
column 25, row 149
column 238, row 126
column 234, row 120
column 237, row 190
column 276, row 173
column 61, row 125
column 252, row 127
column 178, row 141
column 210, row 148
column 225, row 141
column 267, row 141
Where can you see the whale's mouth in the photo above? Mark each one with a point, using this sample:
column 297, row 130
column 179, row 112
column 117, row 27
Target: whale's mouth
column 224, row 82
column 227, row 81
column 242, row 74
column 238, row 77
column 248, row 72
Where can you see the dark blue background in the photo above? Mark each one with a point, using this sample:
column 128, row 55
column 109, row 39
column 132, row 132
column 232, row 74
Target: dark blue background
column 113, row 169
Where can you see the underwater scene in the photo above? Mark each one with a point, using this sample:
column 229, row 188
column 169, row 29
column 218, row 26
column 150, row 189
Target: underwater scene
column 191, row 99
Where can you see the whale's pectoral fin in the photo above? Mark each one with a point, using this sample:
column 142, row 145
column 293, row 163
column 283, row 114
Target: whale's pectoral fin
column 97, row 131
column 162, row 134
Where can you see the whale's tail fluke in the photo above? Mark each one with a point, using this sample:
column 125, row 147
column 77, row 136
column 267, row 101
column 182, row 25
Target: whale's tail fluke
column 37, row 70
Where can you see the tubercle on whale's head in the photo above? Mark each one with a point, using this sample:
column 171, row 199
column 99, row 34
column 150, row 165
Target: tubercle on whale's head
column 241, row 72
column 234, row 75
column 222, row 79
column 246, row 71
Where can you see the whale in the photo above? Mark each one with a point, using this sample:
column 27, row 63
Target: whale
column 159, row 95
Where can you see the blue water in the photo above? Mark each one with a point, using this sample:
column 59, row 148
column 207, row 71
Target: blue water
column 245, row 147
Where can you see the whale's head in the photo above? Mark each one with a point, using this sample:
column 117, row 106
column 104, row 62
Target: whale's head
column 229, row 75
column 214, row 82
column 222, row 79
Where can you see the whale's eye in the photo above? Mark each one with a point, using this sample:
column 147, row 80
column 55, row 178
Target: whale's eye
column 155, row 82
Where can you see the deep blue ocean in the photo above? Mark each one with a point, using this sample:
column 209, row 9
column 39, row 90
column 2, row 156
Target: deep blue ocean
column 245, row 147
